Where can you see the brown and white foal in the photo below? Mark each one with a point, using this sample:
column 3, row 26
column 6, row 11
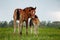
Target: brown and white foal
column 35, row 22
column 23, row 15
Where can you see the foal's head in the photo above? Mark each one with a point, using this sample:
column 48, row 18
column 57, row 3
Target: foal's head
column 30, row 11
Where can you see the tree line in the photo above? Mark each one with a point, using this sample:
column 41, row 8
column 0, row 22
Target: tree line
column 55, row 24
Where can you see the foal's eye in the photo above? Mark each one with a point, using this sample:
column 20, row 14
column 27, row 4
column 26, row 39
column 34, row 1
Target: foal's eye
column 29, row 10
column 33, row 12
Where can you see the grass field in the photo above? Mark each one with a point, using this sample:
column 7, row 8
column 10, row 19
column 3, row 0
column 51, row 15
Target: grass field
column 44, row 34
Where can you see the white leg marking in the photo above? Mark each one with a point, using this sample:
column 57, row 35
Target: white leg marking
column 14, row 29
column 18, row 28
column 35, row 29
column 14, row 26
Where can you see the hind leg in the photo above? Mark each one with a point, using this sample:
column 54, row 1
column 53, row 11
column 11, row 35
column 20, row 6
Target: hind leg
column 35, row 29
column 14, row 26
column 20, row 27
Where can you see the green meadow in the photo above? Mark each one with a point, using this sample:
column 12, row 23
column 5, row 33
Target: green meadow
column 44, row 33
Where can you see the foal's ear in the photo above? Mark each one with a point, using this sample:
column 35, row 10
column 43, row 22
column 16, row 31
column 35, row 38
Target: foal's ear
column 35, row 8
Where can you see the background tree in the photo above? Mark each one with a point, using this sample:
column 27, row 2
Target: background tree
column 11, row 23
column 3, row 24
column 43, row 23
column 49, row 24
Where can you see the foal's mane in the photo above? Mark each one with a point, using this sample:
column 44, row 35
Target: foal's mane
column 30, row 8
column 36, row 16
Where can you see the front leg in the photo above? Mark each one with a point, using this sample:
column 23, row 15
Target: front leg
column 20, row 23
column 27, row 27
column 30, row 23
column 35, row 29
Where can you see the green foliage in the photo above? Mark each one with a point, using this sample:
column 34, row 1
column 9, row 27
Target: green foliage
column 11, row 23
column 3, row 24
column 43, row 34
column 54, row 24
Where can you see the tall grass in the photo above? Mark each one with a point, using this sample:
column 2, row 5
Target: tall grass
column 43, row 34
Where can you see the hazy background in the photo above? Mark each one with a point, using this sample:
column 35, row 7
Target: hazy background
column 47, row 10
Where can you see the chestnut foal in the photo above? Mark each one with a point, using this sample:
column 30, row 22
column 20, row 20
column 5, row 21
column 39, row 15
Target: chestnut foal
column 35, row 22
column 23, row 15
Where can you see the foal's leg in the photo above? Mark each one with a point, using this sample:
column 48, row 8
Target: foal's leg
column 14, row 26
column 35, row 29
column 27, row 27
column 18, row 28
column 31, row 29
column 20, row 23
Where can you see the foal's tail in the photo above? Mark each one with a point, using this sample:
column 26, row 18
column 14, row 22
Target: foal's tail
column 18, row 14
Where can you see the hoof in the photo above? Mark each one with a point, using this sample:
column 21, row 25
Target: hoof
column 20, row 33
column 13, row 32
column 26, row 33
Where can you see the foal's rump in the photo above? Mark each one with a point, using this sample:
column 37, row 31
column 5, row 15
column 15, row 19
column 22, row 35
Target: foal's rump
column 18, row 13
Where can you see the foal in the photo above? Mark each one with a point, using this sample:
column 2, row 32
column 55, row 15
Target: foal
column 35, row 22
column 23, row 15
